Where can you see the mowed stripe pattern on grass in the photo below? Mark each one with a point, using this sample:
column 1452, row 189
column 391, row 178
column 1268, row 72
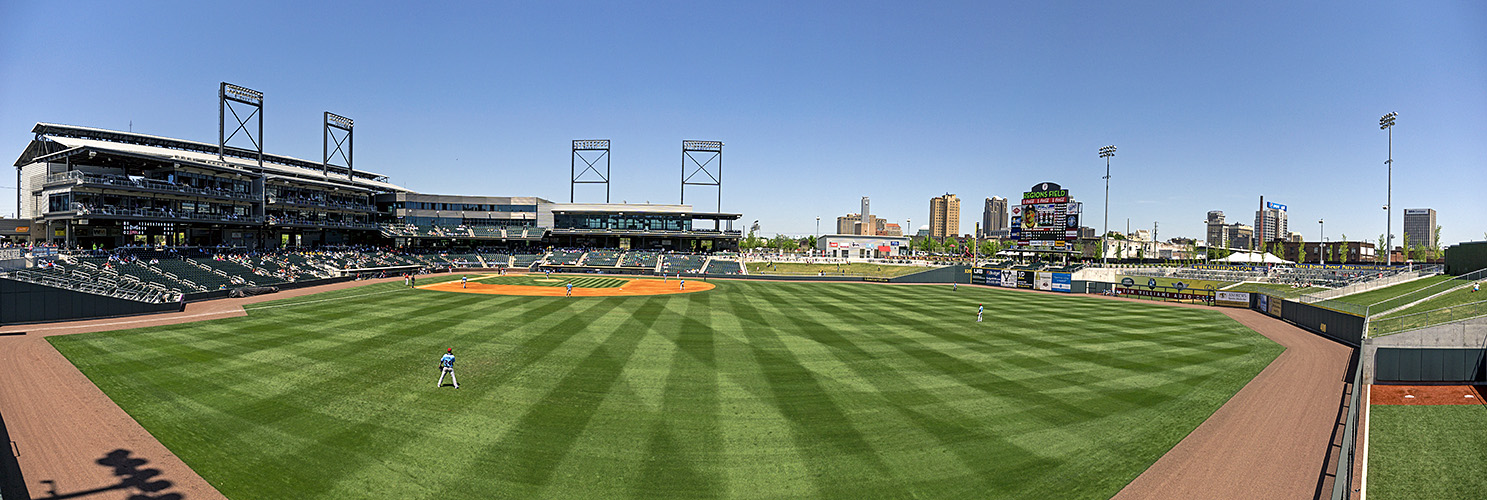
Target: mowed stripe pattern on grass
column 749, row 390
column 560, row 280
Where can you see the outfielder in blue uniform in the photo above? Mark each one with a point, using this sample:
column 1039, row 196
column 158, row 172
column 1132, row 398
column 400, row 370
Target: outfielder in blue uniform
column 446, row 365
column 979, row 309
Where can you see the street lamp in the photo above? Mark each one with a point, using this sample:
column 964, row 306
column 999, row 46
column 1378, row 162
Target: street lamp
column 1321, row 242
column 1106, row 152
column 1387, row 123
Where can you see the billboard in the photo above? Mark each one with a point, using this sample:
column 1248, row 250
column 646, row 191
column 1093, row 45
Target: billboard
column 1061, row 282
column 1025, row 279
column 1045, row 281
column 1180, row 284
column 1009, row 278
column 1417, row 211
column 1275, row 206
column 1232, row 299
column 1047, row 219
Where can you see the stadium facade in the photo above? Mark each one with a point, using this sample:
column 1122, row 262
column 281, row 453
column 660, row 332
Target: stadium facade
column 95, row 188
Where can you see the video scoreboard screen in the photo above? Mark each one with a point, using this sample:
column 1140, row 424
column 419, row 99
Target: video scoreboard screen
column 1047, row 219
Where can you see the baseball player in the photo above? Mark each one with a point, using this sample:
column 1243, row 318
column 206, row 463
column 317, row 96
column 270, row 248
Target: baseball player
column 570, row 289
column 980, row 308
column 446, row 365
column 463, row 280
column 684, row 283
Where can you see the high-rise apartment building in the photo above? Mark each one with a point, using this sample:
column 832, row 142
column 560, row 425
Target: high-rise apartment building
column 994, row 216
column 944, row 216
column 1419, row 227
column 1270, row 224
column 1217, row 234
column 867, row 229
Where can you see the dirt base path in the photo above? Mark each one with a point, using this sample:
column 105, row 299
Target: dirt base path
column 72, row 441
column 632, row 287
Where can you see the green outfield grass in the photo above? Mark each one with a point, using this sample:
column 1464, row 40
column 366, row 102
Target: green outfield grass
column 753, row 389
column 849, row 269
column 1427, row 452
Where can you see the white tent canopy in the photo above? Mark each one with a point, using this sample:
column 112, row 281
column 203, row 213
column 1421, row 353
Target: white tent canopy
column 1253, row 258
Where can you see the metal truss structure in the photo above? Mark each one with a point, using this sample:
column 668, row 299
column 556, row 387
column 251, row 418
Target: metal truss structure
column 248, row 98
column 334, row 122
column 711, row 174
column 590, row 146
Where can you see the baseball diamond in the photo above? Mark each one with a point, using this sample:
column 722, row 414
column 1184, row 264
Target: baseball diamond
column 751, row 389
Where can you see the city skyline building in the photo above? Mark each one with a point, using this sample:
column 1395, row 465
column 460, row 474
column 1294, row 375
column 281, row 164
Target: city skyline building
column 944, row 216
column 1419, row 227
column 994, row 216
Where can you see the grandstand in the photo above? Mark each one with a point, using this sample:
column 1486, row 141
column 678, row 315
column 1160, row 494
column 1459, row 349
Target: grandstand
column 682, row 264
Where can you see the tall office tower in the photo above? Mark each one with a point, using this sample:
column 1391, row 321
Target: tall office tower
column 994, row 216
column 1419, row 226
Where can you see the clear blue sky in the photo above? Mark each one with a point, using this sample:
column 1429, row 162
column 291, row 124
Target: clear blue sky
column 1211, row 104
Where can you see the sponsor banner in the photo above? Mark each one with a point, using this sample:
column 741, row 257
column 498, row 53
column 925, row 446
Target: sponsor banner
column 1025, row 279
column 1009, row 278
column 11, row 253
column 1179, row 284
column 1264, row 303
column 1062, row 281
column 1231, row 299
column 884, row 248
column 1417, row 211
column 1045, row 281
column 1275, row 307
column 875, row 279
column 834, row 244
column 1165, row 293
column 1277, row 206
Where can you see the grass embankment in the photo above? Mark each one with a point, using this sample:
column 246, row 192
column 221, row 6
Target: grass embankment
column 753, row 389
column 1392, row 291
column 849, row 269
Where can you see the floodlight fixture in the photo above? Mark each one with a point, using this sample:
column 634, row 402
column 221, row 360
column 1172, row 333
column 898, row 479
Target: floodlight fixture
column 591, row 152
column 1106, row 152
column 343, row 141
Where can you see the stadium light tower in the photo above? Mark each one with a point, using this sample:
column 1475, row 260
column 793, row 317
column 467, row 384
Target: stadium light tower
column 1106, row 152
column 1321, row 241
column 1387, row 123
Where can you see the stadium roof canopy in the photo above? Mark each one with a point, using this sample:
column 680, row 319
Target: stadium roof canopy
column 1253, row 258
column 197, row 153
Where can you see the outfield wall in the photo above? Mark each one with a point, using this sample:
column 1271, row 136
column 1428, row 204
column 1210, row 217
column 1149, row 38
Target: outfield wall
column 23, row 302
column 1338, row 326
column 12, row 484
column 1430, row 365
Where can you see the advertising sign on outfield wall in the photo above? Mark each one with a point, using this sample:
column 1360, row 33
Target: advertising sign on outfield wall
column 1009, row 278
column 1025, row 279
column 1045, row 281
column 1232, row 299
column 1061, row 282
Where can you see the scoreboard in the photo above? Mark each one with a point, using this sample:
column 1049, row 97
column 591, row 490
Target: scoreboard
column 1047, row 220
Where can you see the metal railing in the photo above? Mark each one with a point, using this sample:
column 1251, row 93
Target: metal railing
column 1372, row 284
column 80, row 177
column 1395, row 324
column 80, row 210
column 1385, row 306
column 1342, row 476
